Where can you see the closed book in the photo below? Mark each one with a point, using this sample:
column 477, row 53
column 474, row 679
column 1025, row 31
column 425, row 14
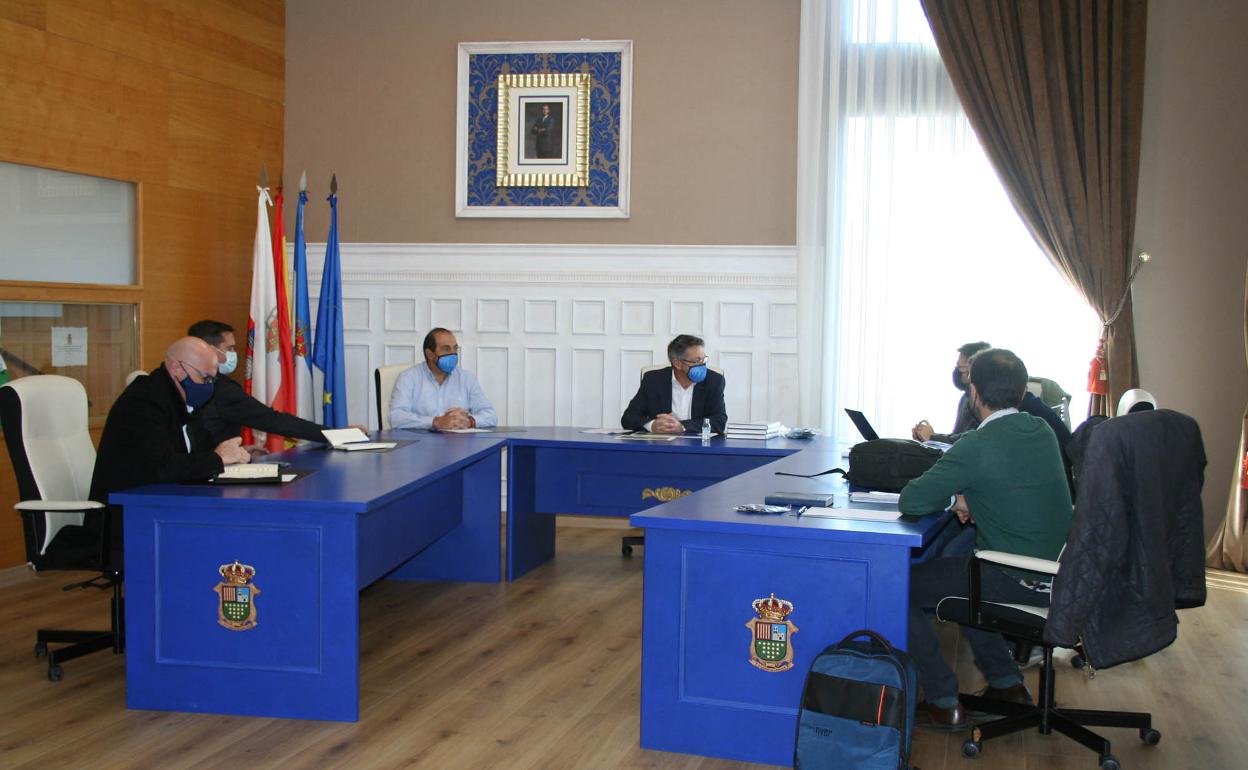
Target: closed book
column 811, row 499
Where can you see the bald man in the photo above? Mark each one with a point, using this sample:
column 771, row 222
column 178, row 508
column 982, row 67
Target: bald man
column 145, row 437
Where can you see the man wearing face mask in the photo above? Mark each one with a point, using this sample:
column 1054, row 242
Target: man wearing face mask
column 231, row 409
column 966, row 418
column 146, row 438
column 439, row 394
column 676, row 398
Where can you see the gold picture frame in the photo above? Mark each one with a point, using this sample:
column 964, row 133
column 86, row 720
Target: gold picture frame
column 543, row 130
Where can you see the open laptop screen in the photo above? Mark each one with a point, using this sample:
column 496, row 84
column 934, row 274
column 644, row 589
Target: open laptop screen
column 860, row 422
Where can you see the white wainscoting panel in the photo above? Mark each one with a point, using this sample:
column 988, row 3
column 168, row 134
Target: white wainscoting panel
column 557, row 334
column 589, row 386
column 637, row 317
column 400, row 315
column 686, row 318
column 444, row 313
column 493, row 367
column 494, row 315
column 589, row 316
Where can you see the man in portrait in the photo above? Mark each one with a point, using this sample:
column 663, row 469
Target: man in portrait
column 546, row 132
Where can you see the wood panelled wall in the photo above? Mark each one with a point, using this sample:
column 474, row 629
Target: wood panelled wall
column 184, row 98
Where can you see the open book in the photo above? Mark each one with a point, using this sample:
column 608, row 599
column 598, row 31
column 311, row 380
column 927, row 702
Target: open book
column 354, row 440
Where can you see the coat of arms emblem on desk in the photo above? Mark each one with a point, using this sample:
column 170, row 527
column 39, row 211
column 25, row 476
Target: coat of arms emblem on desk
column 236, row 608
column 771, row 648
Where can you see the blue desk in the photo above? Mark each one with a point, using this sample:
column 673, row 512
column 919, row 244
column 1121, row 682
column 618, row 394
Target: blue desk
column 431, row 510
column 561, row 470
column 427, row 510
column 706, row 564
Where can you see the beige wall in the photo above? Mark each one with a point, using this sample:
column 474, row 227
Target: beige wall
column 370, row 95
column 1189, row 301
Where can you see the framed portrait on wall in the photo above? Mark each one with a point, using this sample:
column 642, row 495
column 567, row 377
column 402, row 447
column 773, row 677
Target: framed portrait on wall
column 543, row 129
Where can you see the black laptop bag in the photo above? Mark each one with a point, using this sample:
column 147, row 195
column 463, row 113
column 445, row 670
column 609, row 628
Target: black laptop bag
column 887, row 464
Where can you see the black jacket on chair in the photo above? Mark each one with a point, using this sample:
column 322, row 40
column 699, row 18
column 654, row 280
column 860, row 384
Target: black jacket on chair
column 1136, row 550
column 654, row 398
column 231, row 409
column 143, row 443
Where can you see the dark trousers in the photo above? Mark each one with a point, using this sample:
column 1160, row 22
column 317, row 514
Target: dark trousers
column 934, row 580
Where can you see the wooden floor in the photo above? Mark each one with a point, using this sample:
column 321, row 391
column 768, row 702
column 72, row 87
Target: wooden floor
column 545, row 673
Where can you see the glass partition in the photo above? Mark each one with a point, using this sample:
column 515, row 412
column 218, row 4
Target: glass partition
column 96, row 344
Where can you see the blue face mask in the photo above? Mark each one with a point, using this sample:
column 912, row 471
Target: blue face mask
column 697, row 373
column 197, row 393
column 230, row 363
column 447, row 362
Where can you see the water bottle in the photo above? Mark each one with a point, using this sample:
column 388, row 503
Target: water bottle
column 706, row 430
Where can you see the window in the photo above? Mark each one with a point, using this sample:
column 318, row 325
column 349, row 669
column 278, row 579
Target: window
column 927, row 249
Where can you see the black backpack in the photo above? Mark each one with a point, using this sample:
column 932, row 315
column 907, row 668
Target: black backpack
column 887, row 464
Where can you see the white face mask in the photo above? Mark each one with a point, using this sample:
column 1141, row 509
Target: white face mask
column 230, row 363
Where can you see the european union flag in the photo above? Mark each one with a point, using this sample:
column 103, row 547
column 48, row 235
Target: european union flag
column 327, row 353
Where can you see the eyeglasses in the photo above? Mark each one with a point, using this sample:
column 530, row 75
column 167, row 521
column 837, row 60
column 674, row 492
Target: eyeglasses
column 208, row 379
column 694, row 362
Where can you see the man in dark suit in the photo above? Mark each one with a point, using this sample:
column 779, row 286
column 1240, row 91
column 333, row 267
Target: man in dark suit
column 231, row 409
column 145, row 437
column 676, row 398
column 544, row 129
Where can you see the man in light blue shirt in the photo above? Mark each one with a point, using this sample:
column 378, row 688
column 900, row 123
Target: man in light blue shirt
column 439, row 395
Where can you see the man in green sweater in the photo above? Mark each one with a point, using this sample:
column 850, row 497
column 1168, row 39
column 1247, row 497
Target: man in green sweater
column 1007, row 477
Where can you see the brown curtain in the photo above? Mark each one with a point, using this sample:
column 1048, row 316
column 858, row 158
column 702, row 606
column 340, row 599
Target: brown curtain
column 1054, row 90
column 1229, row 549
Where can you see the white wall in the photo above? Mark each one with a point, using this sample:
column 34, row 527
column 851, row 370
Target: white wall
column 557, row 334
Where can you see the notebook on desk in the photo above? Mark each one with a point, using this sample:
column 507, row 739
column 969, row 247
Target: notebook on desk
column 354, row 440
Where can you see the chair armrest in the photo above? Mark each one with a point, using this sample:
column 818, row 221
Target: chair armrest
column 1019, row 562
column 67, row 506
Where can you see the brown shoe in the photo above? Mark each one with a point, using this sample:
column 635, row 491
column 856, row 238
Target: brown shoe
column 930, row 717
column 1014, row 694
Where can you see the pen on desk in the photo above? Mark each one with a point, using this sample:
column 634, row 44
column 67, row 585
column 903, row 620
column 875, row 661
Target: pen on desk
column 801, row 510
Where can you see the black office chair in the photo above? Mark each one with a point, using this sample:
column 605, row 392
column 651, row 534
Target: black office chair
column 45, row 428
column 1157, row 458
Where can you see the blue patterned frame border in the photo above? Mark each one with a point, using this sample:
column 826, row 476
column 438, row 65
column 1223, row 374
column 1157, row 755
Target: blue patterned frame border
column 609, row 64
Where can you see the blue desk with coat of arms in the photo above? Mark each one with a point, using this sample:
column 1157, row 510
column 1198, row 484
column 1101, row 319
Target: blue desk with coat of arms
column 737, row 605
column 245, row 599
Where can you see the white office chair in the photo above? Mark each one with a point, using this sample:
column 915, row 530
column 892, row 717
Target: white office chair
column 132, row 376
column 383, row 381
column 45, row 428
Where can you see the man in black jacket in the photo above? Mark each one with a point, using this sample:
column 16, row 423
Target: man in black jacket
column 146, row 440
column 231, row 409
column 676, row 398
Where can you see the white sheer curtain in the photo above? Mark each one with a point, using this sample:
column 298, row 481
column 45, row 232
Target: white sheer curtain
column 907, row 244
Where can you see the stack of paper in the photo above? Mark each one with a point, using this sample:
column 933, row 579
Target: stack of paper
column 850, row 513
column 883, row 498
column 758, row 431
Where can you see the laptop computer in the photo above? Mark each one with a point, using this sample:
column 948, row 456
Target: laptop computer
column 860, row 422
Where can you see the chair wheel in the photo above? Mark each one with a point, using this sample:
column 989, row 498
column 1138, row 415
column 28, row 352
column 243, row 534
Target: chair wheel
column 41, row 649
column 970, row 748
column 1077, row 661
column 55, row 673
column 626, row 549
column 1150, row 736
column 1110, row 762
